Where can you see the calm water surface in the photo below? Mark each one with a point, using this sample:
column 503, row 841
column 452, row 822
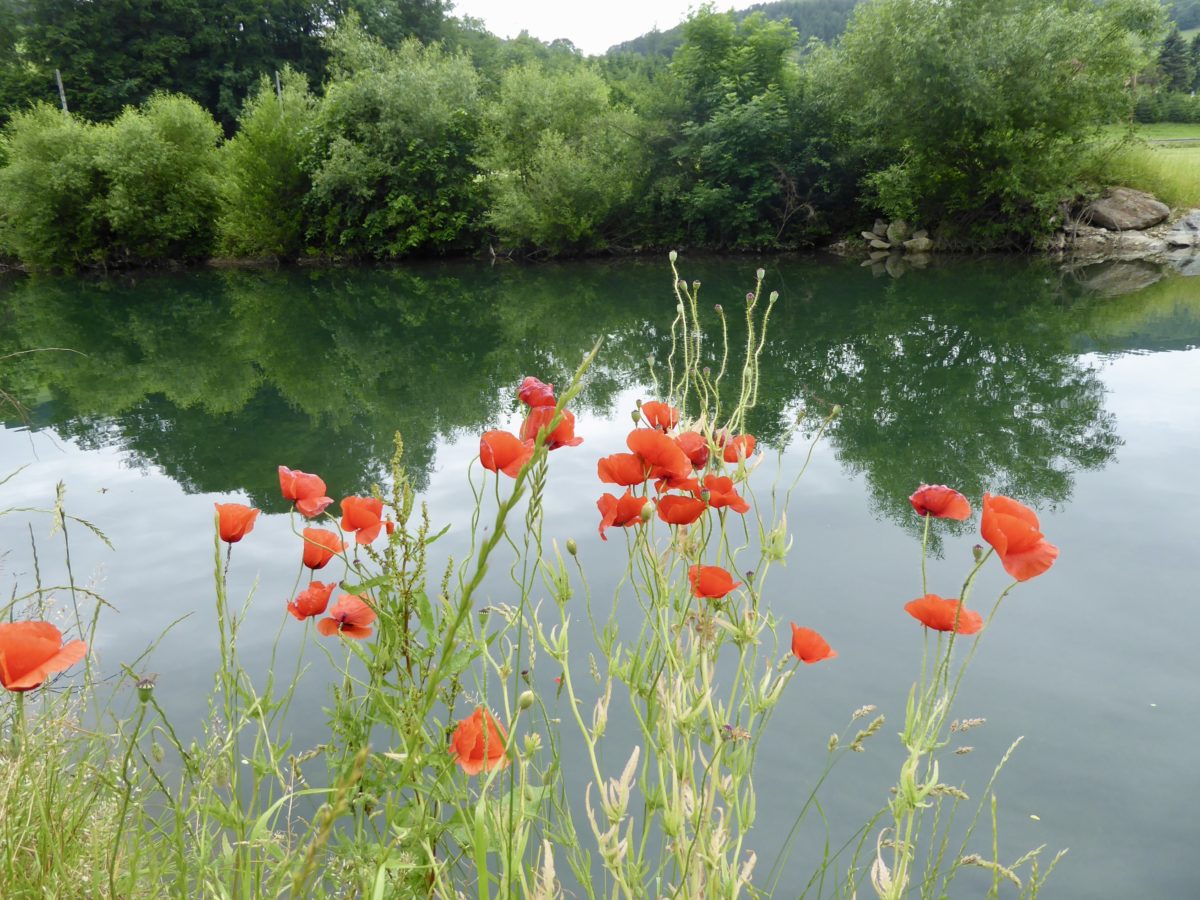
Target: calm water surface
column 1074, row 392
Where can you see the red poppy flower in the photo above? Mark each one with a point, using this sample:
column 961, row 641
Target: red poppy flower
column 312, row 600
column 500, row 451
column 938, row 613
column 695, row 447
column 320, row 545
column 235, row 521
column 809, row 647
column 305, row 490
column 563, row 434
column 660, row 415
column 740, row 446
column 625, row 469
column 363, row 516
column 676, row 510
column 1012, row 528
column 659, row 451
column 30, row 652
column 721, row 493
column 674, row 483
column 941, row 502
column 619, row 512
column 712, row 582
column 350, row 617
column 478, row 743
column 535, row 393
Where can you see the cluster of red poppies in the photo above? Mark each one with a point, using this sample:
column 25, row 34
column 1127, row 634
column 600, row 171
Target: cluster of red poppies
column 351, row 615
column 1010, row 527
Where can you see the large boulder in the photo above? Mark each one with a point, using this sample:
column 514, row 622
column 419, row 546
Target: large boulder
column 1124, row 209
column 898, row 232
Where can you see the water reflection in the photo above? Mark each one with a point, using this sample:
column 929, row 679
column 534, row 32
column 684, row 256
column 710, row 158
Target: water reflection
column 967, row 372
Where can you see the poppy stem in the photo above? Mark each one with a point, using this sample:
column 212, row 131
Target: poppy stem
column 18, row 727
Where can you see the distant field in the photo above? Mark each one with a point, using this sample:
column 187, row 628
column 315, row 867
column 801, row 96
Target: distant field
column 1159, row 131
column 1190, row 33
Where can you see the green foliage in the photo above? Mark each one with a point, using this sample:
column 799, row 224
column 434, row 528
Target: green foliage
column 263, row 180
column 395, row 132
column 738, row 162
column 53, row 188
column 139, row 190
column 563, row 161
column 1176, row 62
column 971, row 115
column 160, row 164
column 119, row 52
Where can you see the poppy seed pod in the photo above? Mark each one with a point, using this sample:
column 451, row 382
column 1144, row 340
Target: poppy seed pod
column 572, row 547
column 525, row 700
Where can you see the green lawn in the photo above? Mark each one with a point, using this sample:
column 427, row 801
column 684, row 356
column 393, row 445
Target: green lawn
column 1190, row 33
column 1159, row 131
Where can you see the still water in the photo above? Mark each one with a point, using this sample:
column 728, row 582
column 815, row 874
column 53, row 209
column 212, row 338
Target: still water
column 1077, row 392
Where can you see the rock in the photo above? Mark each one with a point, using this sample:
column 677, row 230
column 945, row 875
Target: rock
column 1185, row 262
column 1185, row 232
column 881, row 245
column 1124, row 209
column 1112, row 279
column 895, row 265
column 898, row 232
column 880, row 228
column 918, row 245
column 918, row 260
column 1135, row 244
column 878, row 255
column 869, row 236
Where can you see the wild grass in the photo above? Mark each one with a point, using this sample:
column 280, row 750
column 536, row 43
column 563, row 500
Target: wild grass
column 1171, row 173
column 100, row 796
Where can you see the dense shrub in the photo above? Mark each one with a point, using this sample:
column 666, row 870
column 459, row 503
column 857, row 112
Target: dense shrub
column 52, row 189
column 263, row 180
column 392, row 173
column 972, row 114
column 160, row 165
column 563, row 161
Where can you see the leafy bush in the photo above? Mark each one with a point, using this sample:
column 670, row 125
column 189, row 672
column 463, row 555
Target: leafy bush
column 160, row 164
column 263, row 180
column 563, row 161
column 392, row 173
column 973, row 114
column 52, row 188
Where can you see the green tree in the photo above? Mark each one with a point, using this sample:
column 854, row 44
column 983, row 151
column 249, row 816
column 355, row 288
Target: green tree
column 263, row 179
column 117, row 53
column 391, row 22
column 53, row 187
column 393, row 173
column 1176, row 63
column 562, row 160
column 160, row 164
column 971, row 115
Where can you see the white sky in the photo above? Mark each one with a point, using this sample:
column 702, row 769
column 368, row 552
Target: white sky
column 591, row 25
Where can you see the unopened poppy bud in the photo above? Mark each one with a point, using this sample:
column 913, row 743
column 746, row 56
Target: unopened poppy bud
column 761, row 274
column 774, row 296
column 650, row 359
column 682, row 285
column 749, row 296
column 696, row 285
column 672, row 256
column 636, row 415
column 145, row 688
column 646, row 513
column 718, row 308
column 836, row 411
column 525, row 700
column 572, row 547
column 977, row 552
column 707, row 370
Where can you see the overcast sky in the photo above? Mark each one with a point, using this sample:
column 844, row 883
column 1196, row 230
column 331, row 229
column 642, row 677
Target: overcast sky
column 591, row 25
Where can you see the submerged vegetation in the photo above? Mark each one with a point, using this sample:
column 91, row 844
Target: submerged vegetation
column 541, row 745
column 970, row 118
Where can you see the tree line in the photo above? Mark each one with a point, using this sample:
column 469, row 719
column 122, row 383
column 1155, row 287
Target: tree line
column 386, row 137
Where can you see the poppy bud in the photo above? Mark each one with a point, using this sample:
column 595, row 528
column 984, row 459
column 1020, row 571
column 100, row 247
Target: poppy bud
column 650, row 359
column 696, row 285
column 145, row 688
column 774, row 296
column 646, row 513
column 836, row 411
column 682, row 285
column 977, row 552
column 718, row 308
column 636, row 416
column 572, row 547
column 525, row 700
column 749, row 296
column 707, row 370
column 761, row 274
column 672, row 256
